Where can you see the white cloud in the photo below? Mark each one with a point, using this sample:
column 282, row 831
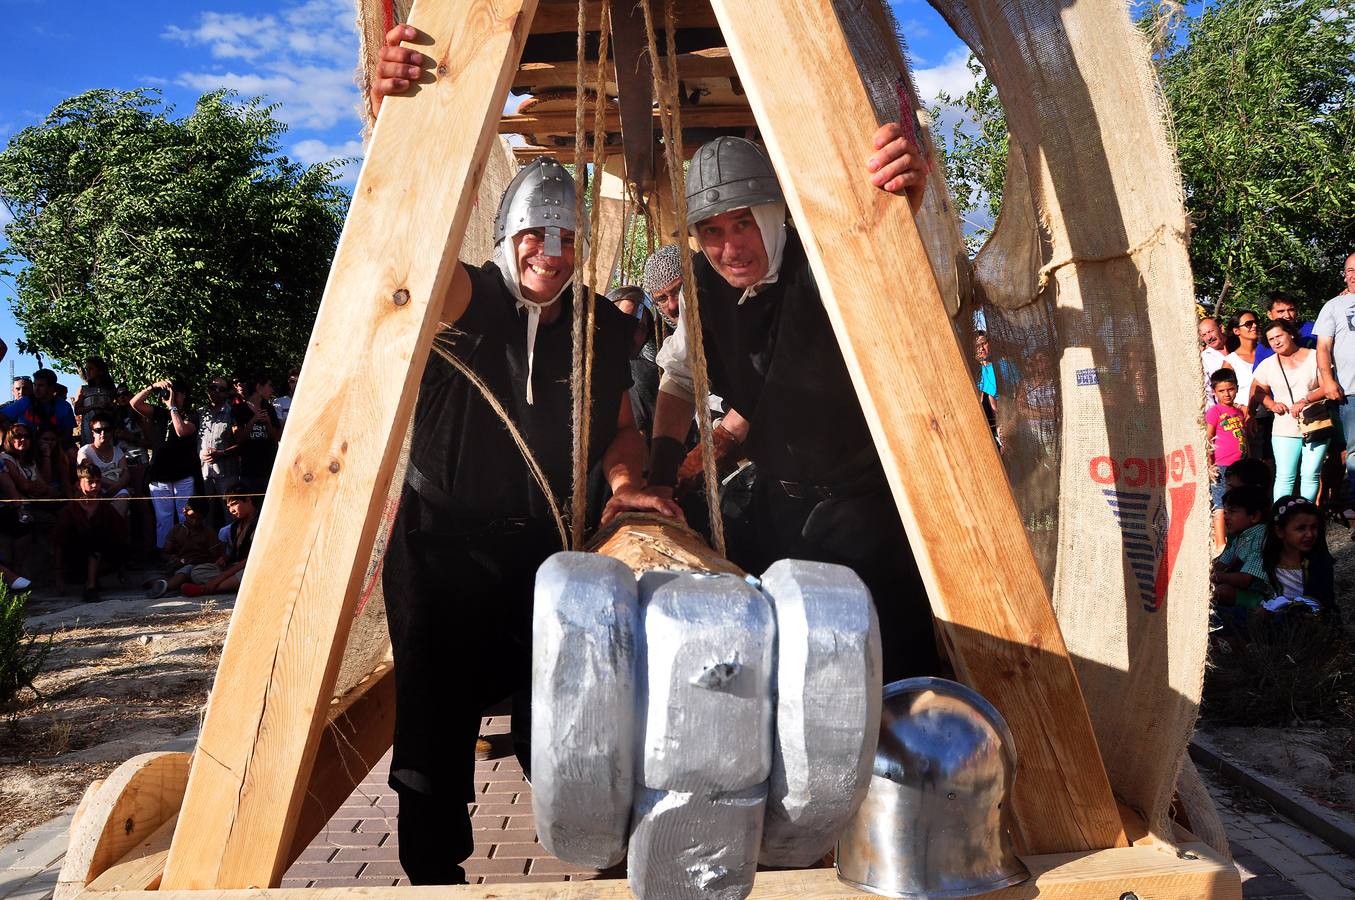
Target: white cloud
column 302, row 57
column 312, row 151
column 5, row 217
column 951, row 77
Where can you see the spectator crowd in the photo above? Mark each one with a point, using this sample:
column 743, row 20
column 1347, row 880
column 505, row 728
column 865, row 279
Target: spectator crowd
column 166, row 479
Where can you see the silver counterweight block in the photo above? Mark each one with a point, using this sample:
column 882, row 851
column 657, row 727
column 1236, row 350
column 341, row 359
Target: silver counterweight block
column 695, row 846
column 704, row 703
column 585, row 636
column 828, row 680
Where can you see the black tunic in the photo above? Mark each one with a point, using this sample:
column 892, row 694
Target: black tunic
column 473, row 527
column 462, row 446
column 820, row 493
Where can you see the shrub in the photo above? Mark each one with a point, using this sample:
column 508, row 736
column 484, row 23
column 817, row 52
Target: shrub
column 21, row 654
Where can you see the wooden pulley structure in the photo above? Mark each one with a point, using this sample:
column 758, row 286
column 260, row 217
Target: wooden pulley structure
column 280, row 748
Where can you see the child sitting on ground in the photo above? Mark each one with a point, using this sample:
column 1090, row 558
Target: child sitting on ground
column 1239, row 574
column 239, row 539
column 89, row 535
column 192, row 549
column 1225, row 425
column 1298, row 565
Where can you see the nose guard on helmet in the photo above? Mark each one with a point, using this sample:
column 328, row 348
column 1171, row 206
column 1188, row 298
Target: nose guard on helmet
column 541, row 195
column 729, row 173
column 936, row 821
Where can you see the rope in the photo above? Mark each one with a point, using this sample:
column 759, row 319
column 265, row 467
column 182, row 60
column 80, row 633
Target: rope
column 127, row 498
column 670, row 115
column 532, row 465
column 580, row 382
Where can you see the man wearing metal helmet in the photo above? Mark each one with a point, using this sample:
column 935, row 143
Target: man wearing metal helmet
column 473, row 525
column 772, row 355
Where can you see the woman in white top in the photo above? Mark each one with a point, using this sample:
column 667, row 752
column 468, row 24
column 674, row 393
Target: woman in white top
column 1245, row 327
column 1286, row 383
column 109, row 457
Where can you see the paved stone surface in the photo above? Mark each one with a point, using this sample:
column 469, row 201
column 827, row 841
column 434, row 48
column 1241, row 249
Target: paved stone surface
column 360, row 847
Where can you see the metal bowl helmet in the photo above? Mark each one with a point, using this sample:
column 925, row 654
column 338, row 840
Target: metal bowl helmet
column 541, row 195
column 935, row 821
column 729, row 173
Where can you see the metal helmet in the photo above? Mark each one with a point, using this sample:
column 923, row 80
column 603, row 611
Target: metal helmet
column 935, row 821
column 729, row 173
column 541, row 195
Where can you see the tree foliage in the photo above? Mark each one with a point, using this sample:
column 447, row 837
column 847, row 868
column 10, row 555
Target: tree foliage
column 172, row 247
column 1262, row 94
column 974, row 153
column 21, row 653
column 1262, row 100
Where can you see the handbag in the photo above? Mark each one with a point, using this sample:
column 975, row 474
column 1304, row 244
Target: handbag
column 1315, row 421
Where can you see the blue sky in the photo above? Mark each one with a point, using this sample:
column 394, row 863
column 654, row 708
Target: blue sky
column 300, row 54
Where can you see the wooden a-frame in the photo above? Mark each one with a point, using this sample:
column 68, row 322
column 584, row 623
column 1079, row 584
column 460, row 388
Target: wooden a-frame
column 269, row 767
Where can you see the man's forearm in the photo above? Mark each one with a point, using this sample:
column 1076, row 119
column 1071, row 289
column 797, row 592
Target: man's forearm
column 673, row 416
column 624, row 460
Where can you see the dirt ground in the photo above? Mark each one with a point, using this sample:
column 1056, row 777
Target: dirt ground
column 123, row 677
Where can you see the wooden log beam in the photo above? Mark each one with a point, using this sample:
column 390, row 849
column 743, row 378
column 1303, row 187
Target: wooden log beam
column 561, row 16
column 1152, row 873
column 563, row 121
column 712, row 63
column 648, row 542
column 394, row 263
column 635, row 91
column 982, row 579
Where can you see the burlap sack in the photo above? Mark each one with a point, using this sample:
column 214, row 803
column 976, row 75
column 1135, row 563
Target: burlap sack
column 1099, row 373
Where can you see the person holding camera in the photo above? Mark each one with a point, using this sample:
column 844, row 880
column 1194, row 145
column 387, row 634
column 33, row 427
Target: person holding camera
column 170, row 474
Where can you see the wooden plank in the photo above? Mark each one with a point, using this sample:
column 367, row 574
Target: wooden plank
column 1149, row 873
column 563, row 122
column 561, row 16
column 872, row 270
column 392, row 268
column 124, row 810
column 712, row 63
column 635, row 90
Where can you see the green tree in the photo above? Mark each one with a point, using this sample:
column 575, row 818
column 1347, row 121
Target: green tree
column 1262, row 100
column 974, row 154
column 171, row 247
column 1262, row 94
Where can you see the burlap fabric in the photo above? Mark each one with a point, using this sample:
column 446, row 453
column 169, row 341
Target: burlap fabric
column 1087, row 295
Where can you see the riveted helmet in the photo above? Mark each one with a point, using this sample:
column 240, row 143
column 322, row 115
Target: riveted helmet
column 729, row 173
column 935, row 821
column 541, row 195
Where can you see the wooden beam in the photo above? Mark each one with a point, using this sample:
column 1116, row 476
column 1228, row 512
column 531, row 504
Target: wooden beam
column 712, row 63
column 1152, row 873
column 647, row 542
column 563, row 121
column 561, row 16
column 394, row 263
column 142, row 867
column 634, row 91
column 982, row 579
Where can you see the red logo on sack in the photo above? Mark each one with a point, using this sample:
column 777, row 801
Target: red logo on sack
column 1153, row 523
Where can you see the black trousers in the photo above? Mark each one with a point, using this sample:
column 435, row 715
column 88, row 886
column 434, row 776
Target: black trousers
column 459, row 608
column 862, row 532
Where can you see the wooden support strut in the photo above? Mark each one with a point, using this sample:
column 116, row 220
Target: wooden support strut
column 981, row 576
column 712, row 63
column 393, row 266
column 563, row 121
